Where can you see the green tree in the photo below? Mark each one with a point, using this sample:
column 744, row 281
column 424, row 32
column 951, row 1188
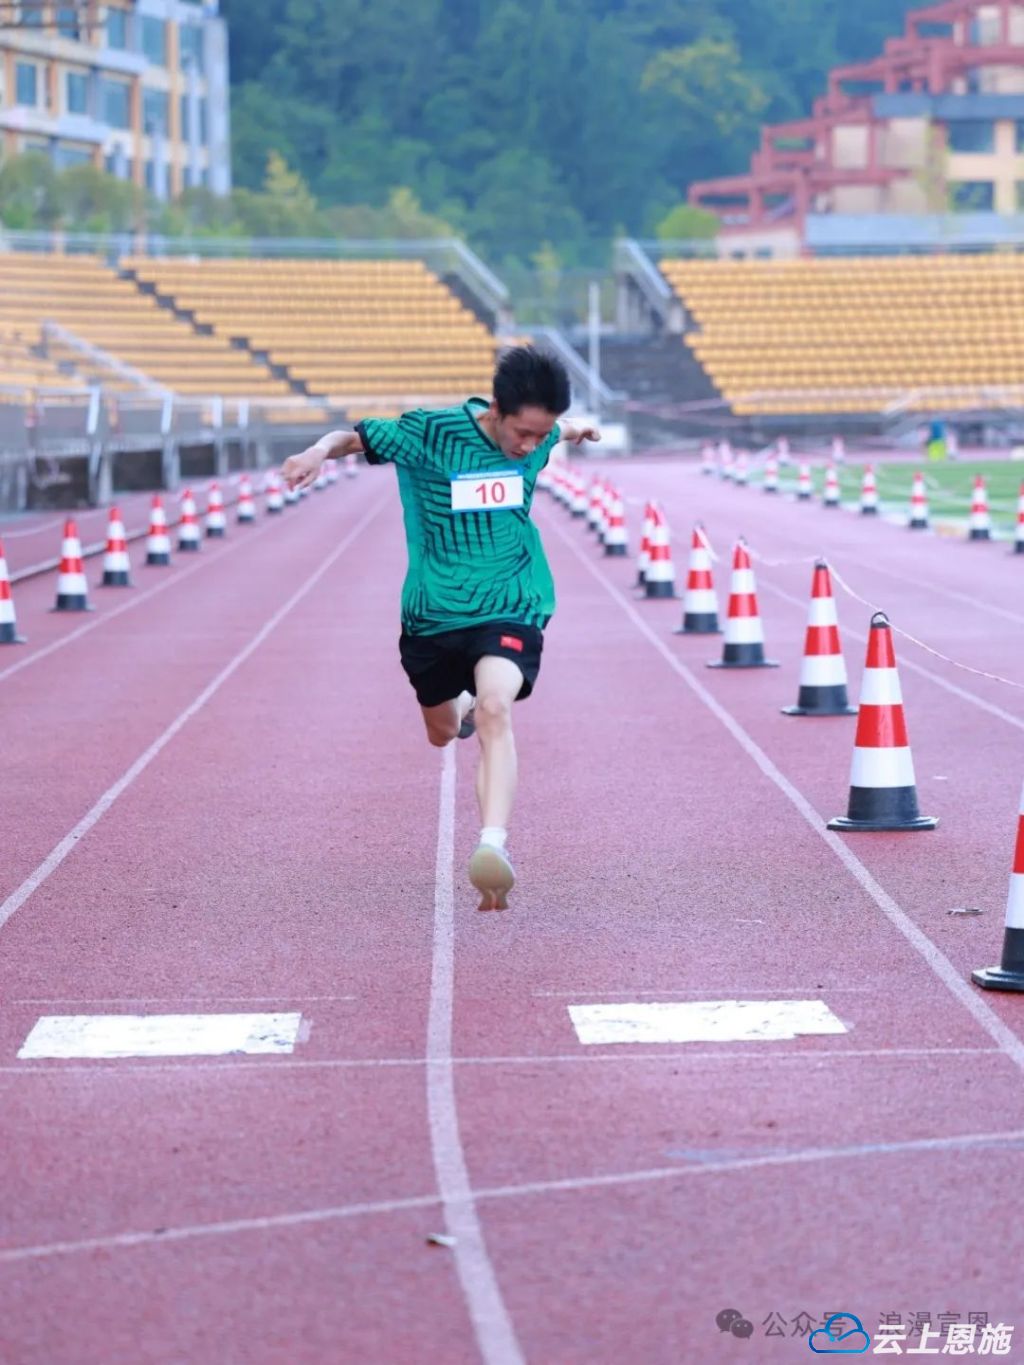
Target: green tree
column 28, row 192
column 687, row 223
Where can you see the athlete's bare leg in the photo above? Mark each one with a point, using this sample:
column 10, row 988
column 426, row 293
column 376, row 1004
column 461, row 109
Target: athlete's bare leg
column 443, row 721
column 498, row 681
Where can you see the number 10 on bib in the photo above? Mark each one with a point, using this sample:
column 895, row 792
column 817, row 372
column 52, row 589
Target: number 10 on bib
column 498, row 491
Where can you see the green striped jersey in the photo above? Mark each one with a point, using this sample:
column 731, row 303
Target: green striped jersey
column 470, row 566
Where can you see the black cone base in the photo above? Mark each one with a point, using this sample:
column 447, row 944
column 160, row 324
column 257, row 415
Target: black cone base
column 116, row 578
column 71, row 602
column 1009, row 975
column 659, row 589
column 918, row 525
column 882, row 808
column 869, row 511
column 821, row 701
column 9, row 634
column 188, row 547
column 699, row 623
column 158, row 559
column 615, row 551
column 214, row 532
column 743, row 656
column 979, row 535
column 1018, row 549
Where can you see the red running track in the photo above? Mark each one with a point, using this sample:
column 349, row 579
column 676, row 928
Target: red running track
column 220, row 800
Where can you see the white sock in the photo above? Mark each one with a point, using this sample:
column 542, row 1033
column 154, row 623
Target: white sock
column 494, row 836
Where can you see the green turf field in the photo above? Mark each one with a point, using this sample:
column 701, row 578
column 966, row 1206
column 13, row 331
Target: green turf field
column 948, row 485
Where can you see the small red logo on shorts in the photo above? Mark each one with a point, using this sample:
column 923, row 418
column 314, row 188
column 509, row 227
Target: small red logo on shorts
column 510, row 642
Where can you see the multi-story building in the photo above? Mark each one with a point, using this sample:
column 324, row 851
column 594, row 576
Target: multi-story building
column 138, row 87
column 931, row 128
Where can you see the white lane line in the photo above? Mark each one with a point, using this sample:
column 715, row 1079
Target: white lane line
column 704, row 1021
column 966, row 1143
column 983, row 1014
column 495, row 1333
column 50, row 864
column 292, row 1065
column 174, row 576
column 174, row 999
column 160, row 1035
column 625, row 992
column 904, row 663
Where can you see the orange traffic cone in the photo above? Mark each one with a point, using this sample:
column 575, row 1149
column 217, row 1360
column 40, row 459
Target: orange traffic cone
column 1009, row 975
column 869, row 493
column 216, row 521
column 158, row 542
column 918, row 505
column 700, row 605
column 116, row 567
column 660, row 578
column 980, row 522
column 8, row 623
column 823, row 669
column 744, row 635
column 72, row 592
column 883, row 792
column 188, row 524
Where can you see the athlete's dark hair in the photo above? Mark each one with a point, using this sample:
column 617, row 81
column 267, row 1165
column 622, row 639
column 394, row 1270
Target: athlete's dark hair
column 526, row 378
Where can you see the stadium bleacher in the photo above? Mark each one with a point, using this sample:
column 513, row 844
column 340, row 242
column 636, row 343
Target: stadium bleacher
column 23, row 373
column 89, row 299
column 341, row 328
column 820, row 335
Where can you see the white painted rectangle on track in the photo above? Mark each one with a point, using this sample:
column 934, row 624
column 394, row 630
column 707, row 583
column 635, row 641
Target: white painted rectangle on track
column 160, row 1035
column 703, row 1021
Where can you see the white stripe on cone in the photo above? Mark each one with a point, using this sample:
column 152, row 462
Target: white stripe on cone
column 881, row 687
column 744, row 630
column 882, row 768
column 823, row 670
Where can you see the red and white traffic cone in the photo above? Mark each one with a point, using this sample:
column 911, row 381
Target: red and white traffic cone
column 616, row 540
column 918, row 505
column 594, row 517
column 869, row 493
column 744, row 635
column 700, row 605
column 741, row 470
column 578, row 505
column 275, row 498
column 116, row 566
column 660, row 578
column 838, row 450
column 331, row 471
column 158, row 542
column 883, row 792
column 72, row 591
column 980, row 522
column 707, row 459
column 291, row 495
column 245, row 512
column 351, row 465
column 216, row 521
column 643, row 558
column 8, row 622
column 830, row 497
column 823, row 669
column 1009, row 975
column 804, row 487
column 320, row 482
column 1018, row 545
column 188, row 524
column 770, row 483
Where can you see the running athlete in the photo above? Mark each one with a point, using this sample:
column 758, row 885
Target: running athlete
column 478, row 591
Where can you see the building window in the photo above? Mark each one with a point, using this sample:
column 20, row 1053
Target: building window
column 155, row 111
column 67, row 23
column 186, row 122
column 119, row 163
column 76, row 93
column 26, row 83
column 71, row 154
column 972, row 196
column 190, row 47
column 1020, row 196
column 971, row 135
column 117, row 103
column 32, row 14
column 117, row 29
column 154, row 40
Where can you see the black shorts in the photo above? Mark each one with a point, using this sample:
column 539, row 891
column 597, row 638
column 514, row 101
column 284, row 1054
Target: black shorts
column 441, row 666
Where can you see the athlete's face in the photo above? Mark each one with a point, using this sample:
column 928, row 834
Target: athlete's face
column 520, row 433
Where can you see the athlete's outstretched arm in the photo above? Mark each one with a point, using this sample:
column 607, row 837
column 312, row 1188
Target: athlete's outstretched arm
column 299, row 471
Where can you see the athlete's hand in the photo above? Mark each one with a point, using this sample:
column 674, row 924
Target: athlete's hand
column 577, row 435
column 299, row 471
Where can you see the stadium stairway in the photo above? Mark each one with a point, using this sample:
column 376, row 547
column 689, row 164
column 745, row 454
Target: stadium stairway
column 655, row 371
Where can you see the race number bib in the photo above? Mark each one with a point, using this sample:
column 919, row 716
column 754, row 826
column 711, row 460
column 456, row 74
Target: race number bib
column 498, row 491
